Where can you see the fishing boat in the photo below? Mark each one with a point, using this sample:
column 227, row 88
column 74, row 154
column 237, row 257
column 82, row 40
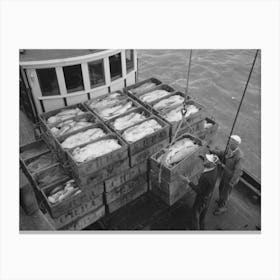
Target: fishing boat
column 52, row 80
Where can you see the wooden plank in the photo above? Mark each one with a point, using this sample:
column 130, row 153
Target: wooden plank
column 86, row 220
column 122, row 190
column 87, row 182
column 145, row 154
column 132, row 195
column 124, row 177
column 75, row 213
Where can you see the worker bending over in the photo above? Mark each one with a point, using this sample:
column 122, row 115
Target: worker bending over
column 204, row 190
column 233, row 161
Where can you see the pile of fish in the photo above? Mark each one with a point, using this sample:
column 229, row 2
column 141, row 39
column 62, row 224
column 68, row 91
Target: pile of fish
column 177, row 152
column 207, row 125
column 111, row 105
column 153, row 95
column 41, row 162
column 50, row 175
column 69, row 126
column 95, row 150
column 63, row 192
column 82, row 137
column 141, row 130
column 169, row 102
column 128, row 120
column 175, row 115
column 64, row 115
column 143, row 87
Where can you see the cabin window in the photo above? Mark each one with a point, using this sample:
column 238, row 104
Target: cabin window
column 129, row 60
column 96, row 73
column 73, row 78
column 48, row 81
column 115, row 66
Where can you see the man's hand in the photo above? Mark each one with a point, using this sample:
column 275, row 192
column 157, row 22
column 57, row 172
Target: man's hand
column 184, row 178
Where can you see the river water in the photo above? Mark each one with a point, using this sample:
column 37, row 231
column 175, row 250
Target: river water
column 217, row 81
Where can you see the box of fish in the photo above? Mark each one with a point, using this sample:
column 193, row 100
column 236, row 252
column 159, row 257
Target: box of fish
column 61, row 197
column 43, row 169
column 79, row 137
column 209, row 130
column 60, row 121
column 140, row 129
column 146, row 98
column 88, row 158
column 111, row 105
column 181, row 157
column 143, row 86
column 169, row 109
column 193, row 129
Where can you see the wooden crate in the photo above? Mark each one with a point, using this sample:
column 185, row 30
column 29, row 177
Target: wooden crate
column 129, row 89
column 75, row 213
column 72, row 202
column 144, row 155
column 125, row 176
column 93, row 165
column 159, row 87
column 193, row 129
column 44, row 117
column 33, row 149
column 127, row 198
column 124, row 189
column 103, row 174
column 135, row 105
column 208, row 133
column 86, row 220
column 51, row 138
column 151, row 139
column 189, row 166
column 187, row 122
column 59, row 140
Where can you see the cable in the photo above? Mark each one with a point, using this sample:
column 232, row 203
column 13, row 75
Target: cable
column 240, row 103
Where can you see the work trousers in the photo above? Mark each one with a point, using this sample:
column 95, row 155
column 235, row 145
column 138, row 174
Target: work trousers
column 199, row 211
column 224, row 191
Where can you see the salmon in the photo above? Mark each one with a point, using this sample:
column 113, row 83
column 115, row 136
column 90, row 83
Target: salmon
column 153, row 95
column 128, row 120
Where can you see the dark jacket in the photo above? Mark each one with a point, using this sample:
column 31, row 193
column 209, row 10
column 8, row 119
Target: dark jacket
column 233, row 165
column 206, row 183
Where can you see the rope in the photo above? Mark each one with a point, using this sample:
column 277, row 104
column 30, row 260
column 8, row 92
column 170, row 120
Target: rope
column 238, row 110
column 183, row 112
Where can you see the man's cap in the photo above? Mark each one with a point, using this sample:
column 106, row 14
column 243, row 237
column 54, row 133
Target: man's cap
column 211, row 158
column 235, row 139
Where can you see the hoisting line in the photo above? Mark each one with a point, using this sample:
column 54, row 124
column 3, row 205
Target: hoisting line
column 240, row 103
column 183, row 111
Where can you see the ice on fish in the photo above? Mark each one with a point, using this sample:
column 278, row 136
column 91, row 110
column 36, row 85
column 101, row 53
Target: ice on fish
column 176, row 115
column 64, row 114
column 118, row 109
column 153, row 95
column 139, row 131
column 69, row 126
column 143, row 87
column 168, row 102
column 178, row 151
column 128, row 120
column 105, row 101
column 95, row 150
column 82, row 137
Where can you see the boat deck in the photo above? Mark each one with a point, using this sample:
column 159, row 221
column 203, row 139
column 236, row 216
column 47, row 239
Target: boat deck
column 150, row 213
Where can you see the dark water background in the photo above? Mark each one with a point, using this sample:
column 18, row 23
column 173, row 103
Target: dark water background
column 217, row 80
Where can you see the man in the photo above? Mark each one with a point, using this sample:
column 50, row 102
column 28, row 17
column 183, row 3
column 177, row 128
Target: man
column 204, row 190
column 231, row 174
